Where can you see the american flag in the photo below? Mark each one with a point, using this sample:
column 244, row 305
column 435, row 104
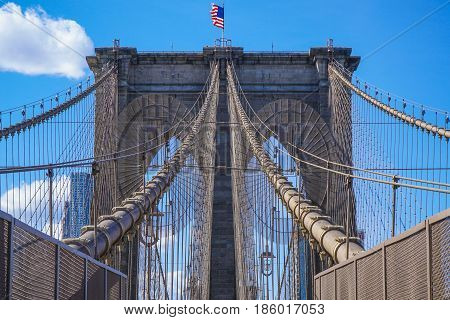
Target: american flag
column 217, row 15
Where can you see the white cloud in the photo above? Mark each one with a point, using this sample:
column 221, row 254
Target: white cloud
column 24, row 48
column 31, row 200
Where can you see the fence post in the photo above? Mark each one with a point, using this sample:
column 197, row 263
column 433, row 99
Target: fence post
column 50, row 199
column 394, row 197
column 383, row 256
column 120, row 288
column 106, row 283
column 355, row 268
column 319, row 290
column 57, row 263
column 130, row 237
column 11, row 258
column 429, row 257
column 94, row 172
column 335, row 284
column 85, row 279
column 348, row 183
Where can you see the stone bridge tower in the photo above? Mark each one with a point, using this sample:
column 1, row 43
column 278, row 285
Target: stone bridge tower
column 289, row 90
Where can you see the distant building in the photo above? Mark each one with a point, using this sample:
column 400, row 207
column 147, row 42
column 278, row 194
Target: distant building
column 303, row 283
column 78, row 208
column 64, row 217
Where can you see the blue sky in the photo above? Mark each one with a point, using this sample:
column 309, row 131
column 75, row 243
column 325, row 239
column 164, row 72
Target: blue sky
column 415, row 66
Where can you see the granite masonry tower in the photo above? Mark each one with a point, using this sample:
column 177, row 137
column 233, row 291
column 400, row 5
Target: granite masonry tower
column 274, row 82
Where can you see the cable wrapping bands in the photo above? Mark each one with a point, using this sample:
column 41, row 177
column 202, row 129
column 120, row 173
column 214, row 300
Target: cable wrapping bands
column 310, row 217
column 57, row 110
column 392, row 111
column 124, row 219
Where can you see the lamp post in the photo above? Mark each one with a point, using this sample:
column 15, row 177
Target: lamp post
column 267, row 262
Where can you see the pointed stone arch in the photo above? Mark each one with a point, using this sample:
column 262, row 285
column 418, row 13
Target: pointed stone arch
column 295, row 123
column 145, row 125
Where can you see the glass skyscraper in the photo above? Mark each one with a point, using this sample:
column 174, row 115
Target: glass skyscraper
column 78, row 209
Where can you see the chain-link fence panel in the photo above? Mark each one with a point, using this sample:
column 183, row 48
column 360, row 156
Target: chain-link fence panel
column 327, row 287
column 406, row 268
column 345, row 282
column 440, row 259
column 370, row 282
column 96, row 282
column 123, row 289
column 4, row 258
column 36, row 266
column 413, row 265
column 71, row 276
column 113, row 286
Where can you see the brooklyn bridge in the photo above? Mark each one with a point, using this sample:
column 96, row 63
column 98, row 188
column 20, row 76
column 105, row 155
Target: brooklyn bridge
column 224, row 174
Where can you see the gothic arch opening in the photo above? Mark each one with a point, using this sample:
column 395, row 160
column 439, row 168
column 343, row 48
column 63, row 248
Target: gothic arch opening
column 145, row 126
column 302, row 131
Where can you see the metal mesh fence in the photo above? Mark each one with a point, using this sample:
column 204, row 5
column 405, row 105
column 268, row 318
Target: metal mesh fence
column 414, row 265
column 113, row 286
column 34, row 267
column 440, row 259
column 123, row 289
column 96, row 282
column 71, row 276
column 4, row 258
column 406, row 268
column 345, row 282
column 327, row 287
column 40, row 267
column 370, row 284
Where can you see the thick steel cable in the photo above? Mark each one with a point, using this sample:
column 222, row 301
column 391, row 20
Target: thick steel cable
column 429, row 127
column 108, row 156
column 381, row 198
column 349, row 167
column 124, row 219
column 186, row 202
column 55, row 111
column 329, row 237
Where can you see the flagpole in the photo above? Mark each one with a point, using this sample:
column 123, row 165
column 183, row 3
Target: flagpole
column 223, row 29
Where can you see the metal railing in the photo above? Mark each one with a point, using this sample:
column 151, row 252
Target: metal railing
column 413, row 265
column 36, row 266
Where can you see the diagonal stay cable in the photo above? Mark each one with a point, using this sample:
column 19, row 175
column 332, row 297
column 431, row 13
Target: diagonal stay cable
column 401, row 33
column 326, row 160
